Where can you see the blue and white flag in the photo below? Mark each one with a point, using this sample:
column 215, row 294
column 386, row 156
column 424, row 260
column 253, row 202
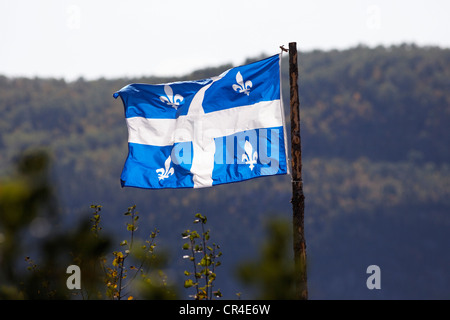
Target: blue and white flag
column 195, row 134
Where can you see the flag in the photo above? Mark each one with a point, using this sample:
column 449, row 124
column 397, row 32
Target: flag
column 195, row 134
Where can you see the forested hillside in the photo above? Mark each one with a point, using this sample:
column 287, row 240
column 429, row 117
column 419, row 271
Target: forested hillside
column 374, row 127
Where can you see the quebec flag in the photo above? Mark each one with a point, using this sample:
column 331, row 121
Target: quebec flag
column 195, row 134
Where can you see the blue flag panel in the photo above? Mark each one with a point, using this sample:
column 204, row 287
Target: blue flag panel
column 196, row 134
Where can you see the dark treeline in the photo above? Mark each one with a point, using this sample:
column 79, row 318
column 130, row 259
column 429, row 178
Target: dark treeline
column 384, row 103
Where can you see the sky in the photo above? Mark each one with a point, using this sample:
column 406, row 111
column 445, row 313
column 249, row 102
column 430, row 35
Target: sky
column 96, row 38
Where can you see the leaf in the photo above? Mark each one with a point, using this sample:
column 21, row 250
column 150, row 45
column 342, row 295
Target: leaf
column 130, row 227
column 186, row 246
column 202, row 295
column 218, row 294
column 201, row 217
column 188, row 283
column 194, row 234
column 206, row 261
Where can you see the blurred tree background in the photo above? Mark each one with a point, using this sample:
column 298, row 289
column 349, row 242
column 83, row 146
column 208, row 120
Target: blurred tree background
column 376, row 176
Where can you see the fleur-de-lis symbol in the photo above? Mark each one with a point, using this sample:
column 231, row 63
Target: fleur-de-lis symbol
column 248, row 157
column 242, row 87
column 172, row 100
column 166, row 172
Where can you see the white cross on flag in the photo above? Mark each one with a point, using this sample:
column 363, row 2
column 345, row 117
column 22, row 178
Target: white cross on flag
column 195, row 134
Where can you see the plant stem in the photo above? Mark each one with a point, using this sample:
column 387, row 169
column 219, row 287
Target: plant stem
column 195, row 265
column 204, row 256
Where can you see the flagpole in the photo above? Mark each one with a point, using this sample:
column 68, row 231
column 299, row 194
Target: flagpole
column 298, row 198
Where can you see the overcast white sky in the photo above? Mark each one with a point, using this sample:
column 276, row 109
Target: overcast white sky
column 97, row 38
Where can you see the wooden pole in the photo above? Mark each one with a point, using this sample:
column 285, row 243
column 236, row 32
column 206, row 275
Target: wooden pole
column 298, row 198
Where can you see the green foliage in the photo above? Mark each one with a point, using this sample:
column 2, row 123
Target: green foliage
column 272, row 274
column 96, row 219
column 27, row 201
column 136, row 259
column 204, row 271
